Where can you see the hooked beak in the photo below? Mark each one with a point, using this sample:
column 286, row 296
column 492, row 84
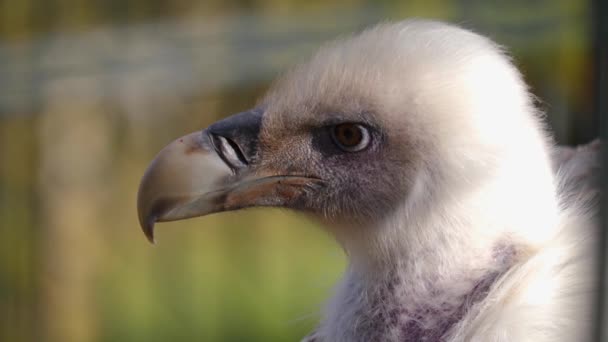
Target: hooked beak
column 211, row 171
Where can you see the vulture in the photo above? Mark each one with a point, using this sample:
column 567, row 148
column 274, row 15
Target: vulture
column 420, row 148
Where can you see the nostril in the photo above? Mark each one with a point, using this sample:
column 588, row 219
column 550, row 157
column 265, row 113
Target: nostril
column 229, row 151
column 237, row 150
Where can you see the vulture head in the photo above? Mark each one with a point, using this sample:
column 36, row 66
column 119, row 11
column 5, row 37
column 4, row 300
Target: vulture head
column 416, row 144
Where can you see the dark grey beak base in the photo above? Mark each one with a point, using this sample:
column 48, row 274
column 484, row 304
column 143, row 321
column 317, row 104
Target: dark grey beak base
column 236, row 137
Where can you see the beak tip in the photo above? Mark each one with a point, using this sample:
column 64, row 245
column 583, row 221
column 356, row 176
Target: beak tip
column 148, row 228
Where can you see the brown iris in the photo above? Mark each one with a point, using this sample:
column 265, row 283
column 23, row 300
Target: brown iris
column 350, row 137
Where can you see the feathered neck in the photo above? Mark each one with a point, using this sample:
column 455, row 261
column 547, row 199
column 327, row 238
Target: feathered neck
column 422, row 268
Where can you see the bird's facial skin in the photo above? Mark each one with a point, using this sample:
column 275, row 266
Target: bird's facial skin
column 351, row 153
column 329, row 169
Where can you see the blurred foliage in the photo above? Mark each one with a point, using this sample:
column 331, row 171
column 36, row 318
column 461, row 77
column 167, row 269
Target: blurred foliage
column 91, row 90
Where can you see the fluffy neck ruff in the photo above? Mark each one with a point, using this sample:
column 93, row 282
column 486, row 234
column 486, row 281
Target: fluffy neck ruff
column 409, row 301
column 398, row 308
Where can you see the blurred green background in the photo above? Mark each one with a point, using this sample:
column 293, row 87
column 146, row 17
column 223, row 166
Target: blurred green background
column 91, row 90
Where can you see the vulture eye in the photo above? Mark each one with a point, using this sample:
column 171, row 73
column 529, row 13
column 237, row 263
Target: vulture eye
column 350, row 137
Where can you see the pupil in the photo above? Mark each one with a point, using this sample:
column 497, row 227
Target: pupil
column 349, row 135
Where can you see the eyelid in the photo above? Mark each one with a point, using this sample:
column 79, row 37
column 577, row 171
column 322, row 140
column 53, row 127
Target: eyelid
column 340, row 121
